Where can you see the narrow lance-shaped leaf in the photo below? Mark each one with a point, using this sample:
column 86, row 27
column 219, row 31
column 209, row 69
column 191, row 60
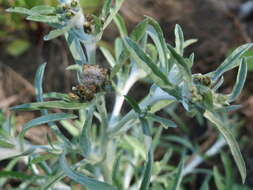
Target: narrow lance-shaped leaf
column 229, row 177
column 84, row 138
column 56, row 95
column 139, row 31
column 42, row 158
column 50, row 105
column 179, row 40
column 120, row 23
column 75, row 48
column 145, row 126
column 141, row 115
column 165, row 122
column 240, row 80
column 108, row 56
column 147, row 172
column 106, row 8
column 181, row 62
column 230, row 139
column 113, row 12
column 141, row 55
column 179, row 176
column 43, row 9
column 218, row 179
column 57, row 32
column 133, row 104
column 181, row 140
column 43, row 18
column 156, row 33
column 116, row 166
column 232, row 61
column 218, row 84
column 39, row 96
column 45, row 119
column 189, row 42
column 87, row 182
column 39, row 81
column 20, row 10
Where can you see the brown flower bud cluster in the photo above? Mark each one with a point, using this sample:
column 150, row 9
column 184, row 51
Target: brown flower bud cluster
column 92, row 80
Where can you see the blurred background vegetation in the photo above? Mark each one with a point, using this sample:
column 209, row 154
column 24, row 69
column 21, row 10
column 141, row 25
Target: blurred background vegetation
column 213, row 22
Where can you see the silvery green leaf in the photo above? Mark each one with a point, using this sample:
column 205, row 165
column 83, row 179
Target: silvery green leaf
column 136, row 50
column 108, row 56
column 218, row 84
column 155, row 32
column 20, row 10
column 43, row 18
column 84, row 139
column 56, row 95
column 43, row 9
column 75, row 67
column 180, row 140
column 191, row 58
column 106, row 8
column 87, row 182
column 139, row 31
column 75, row 48
column 189, row 42
column 57, row 32
column 175, row 76
column 181, row 63
column 166, row 123
column 229, row 177
column 208, row 99
column 120, row 23
column 231, row 61
column 133, row 104
column 49, row 105
column 113, row 12
column 45, row 119
column 179, row 176
column 230, row 139
column 218, row 179
column 115, row 171
column 42, row 158
column 119, row 48
column 240, row 80
column 179, row 38
column 38, row 83
column 145, row 126
column 147, row 172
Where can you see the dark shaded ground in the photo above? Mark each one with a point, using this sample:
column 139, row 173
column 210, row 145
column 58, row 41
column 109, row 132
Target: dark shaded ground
column 209, row 21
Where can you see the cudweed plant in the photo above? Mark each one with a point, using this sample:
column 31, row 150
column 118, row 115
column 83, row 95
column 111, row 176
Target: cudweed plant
column 110, row 151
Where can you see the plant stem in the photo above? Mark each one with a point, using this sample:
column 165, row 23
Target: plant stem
column 199, row 159
column 133, row 78
column 148, row 101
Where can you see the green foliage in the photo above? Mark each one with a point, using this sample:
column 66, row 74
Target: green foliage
column 114, row 150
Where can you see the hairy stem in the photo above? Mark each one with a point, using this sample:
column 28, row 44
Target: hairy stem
column 133, row 78
column 199, row 159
